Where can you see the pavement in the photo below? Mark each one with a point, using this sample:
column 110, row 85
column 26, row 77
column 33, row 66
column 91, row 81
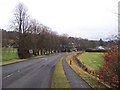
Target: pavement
column 34, row 73
column 73, row 78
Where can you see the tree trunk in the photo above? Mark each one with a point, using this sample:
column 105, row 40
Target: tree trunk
column 38, row 52
column 41, row 52
column 23, row 51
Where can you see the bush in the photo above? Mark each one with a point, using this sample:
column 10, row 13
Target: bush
column 110, row 69
column 95, row 50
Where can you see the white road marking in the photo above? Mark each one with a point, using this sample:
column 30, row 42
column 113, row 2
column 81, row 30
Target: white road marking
column 8, row 76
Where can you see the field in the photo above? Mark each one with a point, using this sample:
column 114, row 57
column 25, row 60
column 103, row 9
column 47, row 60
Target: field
column 92, row 60
column 9, row 54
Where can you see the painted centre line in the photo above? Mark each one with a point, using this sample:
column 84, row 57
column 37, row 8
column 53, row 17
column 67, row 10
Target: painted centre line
column 8, row 76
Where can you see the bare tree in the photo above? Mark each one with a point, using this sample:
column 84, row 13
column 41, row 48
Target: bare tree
column 34, row 31
column 21, row 24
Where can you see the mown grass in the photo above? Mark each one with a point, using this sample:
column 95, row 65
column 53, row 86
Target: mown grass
column 59, row 79
column 92, row 60
column 9, row 54
column 91, row 80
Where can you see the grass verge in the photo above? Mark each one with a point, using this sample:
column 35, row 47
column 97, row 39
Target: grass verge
column 92, row 60
column 91, row 80
column 17, row 60
column 59, row 79
column 9, row 54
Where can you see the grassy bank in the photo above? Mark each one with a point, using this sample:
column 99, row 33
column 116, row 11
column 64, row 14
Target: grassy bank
column 92, row 60
column 9, row 54
column 59, row 79
column 91, row 80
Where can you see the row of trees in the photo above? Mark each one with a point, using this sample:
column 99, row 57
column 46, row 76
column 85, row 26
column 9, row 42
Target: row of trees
column 10, row 39
column 32, row 37
column 46, row 40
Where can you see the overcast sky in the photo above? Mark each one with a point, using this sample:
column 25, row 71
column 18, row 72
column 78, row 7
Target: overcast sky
column 92, row 19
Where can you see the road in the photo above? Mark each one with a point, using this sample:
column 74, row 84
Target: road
column 30, row 74
column 37, row 73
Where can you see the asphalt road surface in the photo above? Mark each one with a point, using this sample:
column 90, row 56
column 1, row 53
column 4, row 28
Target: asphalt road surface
column 30, row 74
column 73, row 78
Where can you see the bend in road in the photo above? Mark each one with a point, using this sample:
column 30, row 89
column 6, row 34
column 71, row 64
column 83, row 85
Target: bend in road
column 30, row 74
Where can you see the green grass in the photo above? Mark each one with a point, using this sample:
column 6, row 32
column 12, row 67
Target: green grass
column 59, row 79
column 91, row 80
column 9, row 54
column 92, row 60
column 12, row 61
